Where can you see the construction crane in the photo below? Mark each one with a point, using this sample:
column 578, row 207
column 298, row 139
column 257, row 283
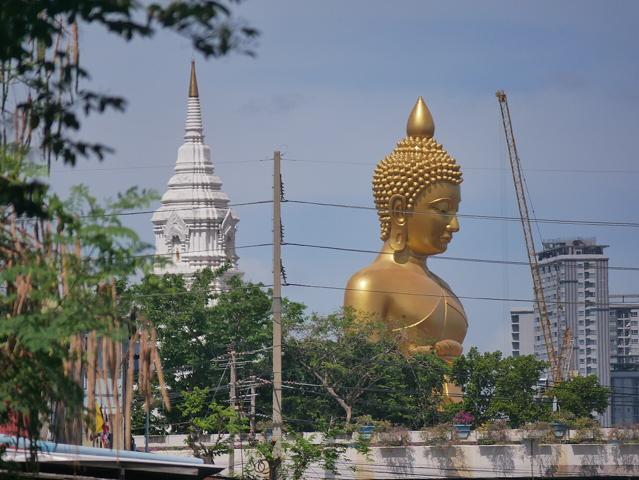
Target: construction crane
column 557, row 361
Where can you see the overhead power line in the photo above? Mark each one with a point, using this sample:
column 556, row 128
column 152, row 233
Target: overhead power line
column 596, row 171
column 595, row 223
column 438, row 257
column 539, row 170
column 416, row 294
column 147, row 167
column 144, row 212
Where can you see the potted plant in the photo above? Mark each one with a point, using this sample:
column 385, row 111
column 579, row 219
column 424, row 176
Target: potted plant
column 463, row 422
column 365, row 426
column 561, row 422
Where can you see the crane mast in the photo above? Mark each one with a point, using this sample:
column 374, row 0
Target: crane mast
column 515, row 165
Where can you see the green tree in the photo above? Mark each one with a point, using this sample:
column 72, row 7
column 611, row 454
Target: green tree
column 59, row 262
column 516, row 395
column 496, row 387
column 581, row 396
column 198, row 327
column 356, row 375
column 43, row 92
column 477, row 373
column 56, row 277
column 209, row 417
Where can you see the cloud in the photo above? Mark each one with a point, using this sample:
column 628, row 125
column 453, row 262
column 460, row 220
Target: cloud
column 276, row 104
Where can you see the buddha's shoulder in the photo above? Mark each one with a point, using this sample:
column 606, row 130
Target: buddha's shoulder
column 389, row 276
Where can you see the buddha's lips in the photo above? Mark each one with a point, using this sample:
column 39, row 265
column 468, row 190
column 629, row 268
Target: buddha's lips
column 447, row 238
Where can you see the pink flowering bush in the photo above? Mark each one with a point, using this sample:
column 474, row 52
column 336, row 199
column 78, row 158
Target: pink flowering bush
column 463, row 418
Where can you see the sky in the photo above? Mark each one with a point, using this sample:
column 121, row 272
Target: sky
column 332, row 85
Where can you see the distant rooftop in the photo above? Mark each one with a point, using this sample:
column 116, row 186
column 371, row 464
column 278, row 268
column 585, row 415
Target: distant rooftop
column 570, row 246
column 624, row 300
column 562, row 242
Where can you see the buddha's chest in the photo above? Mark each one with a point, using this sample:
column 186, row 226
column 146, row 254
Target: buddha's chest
column 428, row 314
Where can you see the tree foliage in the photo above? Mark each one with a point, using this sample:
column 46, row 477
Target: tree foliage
column 58, row 280
column 495, row 387
column 43, row 99
column 209, row 417
column 582, row 396
column 60, row 262
column 198, row 327
column 342, row 368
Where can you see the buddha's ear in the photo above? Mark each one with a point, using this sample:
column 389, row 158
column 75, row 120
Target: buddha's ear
column 397, row 211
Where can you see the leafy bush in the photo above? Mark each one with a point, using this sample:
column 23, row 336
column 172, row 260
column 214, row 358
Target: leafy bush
column 540, row 431
column 564, row 417
column 585, row 430
column 394, row 436
column 624, row 433
column 493, row 432
column 442, row 434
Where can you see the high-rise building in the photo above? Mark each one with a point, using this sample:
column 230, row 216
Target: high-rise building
column 624, row 363
column 574, row 275
column 522, row 331
column 194, row 227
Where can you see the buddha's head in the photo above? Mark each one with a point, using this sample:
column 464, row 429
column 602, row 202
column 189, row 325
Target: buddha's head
column 416, row 190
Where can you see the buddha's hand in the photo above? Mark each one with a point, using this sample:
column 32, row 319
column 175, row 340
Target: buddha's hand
column 448, row 350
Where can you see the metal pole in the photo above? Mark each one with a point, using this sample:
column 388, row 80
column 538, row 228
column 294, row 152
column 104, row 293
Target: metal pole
column 252, row 412
column 232, row 399
column 277, row 299
column 146, row 429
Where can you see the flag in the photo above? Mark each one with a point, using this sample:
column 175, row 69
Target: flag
column 99, row 420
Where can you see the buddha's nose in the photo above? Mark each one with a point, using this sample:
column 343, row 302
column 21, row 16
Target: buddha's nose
column 453, row 226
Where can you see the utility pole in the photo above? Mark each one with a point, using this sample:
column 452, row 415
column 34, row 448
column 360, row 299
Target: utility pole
column 277, row 306
column 252, row 411
column 233, row 402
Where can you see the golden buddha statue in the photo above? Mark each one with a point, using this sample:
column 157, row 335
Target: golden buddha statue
column 417, row 194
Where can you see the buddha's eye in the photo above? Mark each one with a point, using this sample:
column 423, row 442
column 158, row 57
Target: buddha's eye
column 442, row 207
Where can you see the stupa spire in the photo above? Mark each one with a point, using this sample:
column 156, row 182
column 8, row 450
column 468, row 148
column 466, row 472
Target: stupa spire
column 193, row 92
column 193, row 130
column 194, row 226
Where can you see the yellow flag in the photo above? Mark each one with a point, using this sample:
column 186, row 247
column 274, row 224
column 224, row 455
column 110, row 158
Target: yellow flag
column 99, row 420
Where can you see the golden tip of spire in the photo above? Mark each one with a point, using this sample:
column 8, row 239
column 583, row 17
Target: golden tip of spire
column 420, row 122
column 193, row 82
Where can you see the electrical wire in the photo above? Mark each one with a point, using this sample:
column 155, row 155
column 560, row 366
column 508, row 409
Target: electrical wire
column 465, row 297
column 347, row 162
column 596, row 223
column 438, row 257
column 537, row 170
column 145, row 167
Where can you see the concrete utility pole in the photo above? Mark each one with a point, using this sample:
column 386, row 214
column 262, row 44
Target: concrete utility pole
column 277, row 301
column 233, row 403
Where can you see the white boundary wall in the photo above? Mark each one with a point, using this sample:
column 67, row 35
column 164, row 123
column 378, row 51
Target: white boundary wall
column 461, row 460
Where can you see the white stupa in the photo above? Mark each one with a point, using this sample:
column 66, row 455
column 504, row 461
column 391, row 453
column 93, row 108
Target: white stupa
column 194, row 227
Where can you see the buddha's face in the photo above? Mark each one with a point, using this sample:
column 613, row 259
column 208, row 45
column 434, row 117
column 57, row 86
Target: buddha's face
column 433, row 221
